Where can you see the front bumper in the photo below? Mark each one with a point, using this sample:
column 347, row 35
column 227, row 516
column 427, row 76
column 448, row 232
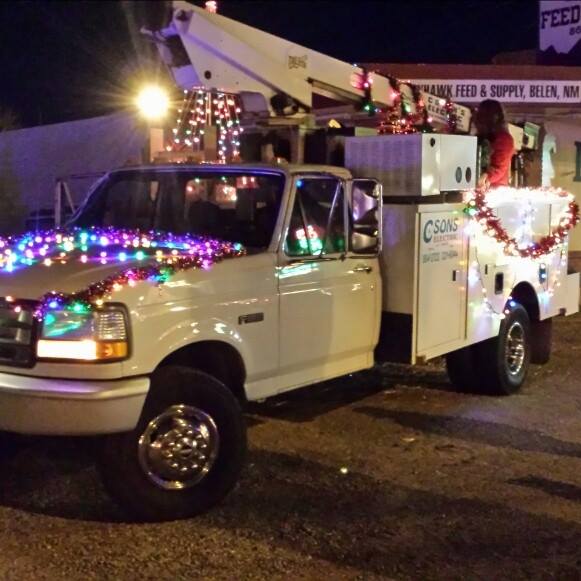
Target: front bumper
column 33, row 405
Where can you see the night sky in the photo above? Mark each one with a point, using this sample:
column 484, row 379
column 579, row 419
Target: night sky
column 68, row 60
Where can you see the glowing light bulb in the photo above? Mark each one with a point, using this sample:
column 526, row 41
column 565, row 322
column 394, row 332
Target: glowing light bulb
column 153, row 103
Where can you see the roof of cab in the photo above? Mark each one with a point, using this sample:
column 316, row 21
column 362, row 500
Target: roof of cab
column 288, row 169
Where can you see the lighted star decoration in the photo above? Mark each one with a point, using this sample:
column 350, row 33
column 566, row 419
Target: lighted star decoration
column 148, row 256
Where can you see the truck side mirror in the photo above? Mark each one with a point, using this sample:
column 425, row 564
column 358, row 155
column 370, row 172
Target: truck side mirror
column 365, row 216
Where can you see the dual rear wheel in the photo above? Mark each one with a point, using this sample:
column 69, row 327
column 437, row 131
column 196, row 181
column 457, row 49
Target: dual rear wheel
column 499, row 365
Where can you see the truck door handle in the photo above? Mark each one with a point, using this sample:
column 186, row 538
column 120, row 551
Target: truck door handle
column 455, row 275
column 363, row 268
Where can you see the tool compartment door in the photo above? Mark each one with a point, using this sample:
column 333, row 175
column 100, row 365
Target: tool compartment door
column 441, row 282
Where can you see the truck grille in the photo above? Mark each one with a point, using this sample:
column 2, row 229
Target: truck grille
column 17, row 335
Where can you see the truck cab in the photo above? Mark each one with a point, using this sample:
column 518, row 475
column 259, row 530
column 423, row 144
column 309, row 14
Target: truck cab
column 291, row 295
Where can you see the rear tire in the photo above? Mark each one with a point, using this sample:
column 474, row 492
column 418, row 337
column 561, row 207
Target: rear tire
column 461, row 367
column 501, row 363
column 186, row 453
column 542, row 341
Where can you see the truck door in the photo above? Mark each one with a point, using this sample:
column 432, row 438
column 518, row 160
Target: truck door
column 329, row 292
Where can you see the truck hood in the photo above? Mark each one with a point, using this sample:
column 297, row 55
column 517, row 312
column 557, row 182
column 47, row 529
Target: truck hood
column 32, row 282
column 69, row 262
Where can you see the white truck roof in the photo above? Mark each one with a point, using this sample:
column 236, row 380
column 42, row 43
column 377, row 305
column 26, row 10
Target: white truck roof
column 283, row 168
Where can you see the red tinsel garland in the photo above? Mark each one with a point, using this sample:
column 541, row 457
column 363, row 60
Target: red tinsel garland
column 478, row 208
column 398, row 120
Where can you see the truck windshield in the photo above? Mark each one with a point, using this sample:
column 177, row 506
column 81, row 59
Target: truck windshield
column 231, row 206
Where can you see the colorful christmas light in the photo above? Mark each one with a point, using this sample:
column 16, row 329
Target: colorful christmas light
column 364, row 82
column 201, row 109
column 309, row 242
column 399, row 119
column 211, row 6
column 478, row 207
column 451, row 117
column 158, row 255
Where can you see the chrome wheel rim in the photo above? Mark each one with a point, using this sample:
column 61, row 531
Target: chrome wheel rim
column 179, row 447
column 515, row 350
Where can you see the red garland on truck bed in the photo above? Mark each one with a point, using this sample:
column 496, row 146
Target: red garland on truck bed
column 478, row 207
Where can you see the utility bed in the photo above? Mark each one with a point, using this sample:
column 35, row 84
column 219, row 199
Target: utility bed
column 446, row 279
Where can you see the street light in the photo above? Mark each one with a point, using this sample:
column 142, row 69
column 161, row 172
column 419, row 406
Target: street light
column 153, row 103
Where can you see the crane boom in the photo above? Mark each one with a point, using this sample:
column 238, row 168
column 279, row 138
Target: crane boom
column 208, row 50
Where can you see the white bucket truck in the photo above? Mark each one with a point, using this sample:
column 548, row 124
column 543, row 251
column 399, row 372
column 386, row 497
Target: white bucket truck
column 131, row 327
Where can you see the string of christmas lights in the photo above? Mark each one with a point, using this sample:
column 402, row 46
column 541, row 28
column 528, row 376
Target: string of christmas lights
column 451, row 117
column 161, row 255
column 364, row 82
column 201, row 109
column 478, row 207
column 486, row 307
column 399, row 119
column 549, row 288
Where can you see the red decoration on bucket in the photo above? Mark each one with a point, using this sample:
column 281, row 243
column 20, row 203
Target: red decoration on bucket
column 399, row 118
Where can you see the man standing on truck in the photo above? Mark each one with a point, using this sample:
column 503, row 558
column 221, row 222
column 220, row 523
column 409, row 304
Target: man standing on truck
column 497, row 144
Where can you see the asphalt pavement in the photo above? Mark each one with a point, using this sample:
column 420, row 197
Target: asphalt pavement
column 383, row 475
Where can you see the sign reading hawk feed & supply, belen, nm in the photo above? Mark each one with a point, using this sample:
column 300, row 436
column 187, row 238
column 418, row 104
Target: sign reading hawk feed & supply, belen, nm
column 505, row 91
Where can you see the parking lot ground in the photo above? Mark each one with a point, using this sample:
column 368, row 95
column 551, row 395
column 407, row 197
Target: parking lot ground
column 382, row 475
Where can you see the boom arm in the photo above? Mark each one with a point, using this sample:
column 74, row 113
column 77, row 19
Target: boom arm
column 205, row 49
column 208, row 50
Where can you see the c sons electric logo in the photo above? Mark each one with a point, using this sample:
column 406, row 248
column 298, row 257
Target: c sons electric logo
column 440, row 230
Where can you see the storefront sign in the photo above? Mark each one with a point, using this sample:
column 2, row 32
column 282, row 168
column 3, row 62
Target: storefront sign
column 505, row 91
column 559, row 29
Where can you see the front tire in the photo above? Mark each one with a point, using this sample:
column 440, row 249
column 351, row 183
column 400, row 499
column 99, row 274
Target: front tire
column 186, row 453
column 9, row 445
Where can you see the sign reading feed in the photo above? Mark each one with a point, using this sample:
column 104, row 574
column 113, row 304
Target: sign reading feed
column 559, row 28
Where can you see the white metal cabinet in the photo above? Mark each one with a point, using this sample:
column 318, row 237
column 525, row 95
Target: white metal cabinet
column 415, row 165
column 457, row 162
column 441, row 281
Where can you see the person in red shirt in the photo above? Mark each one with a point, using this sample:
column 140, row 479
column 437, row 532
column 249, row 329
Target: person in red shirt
column 498, row 144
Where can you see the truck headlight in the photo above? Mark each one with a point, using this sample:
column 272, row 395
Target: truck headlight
column 84, row 335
